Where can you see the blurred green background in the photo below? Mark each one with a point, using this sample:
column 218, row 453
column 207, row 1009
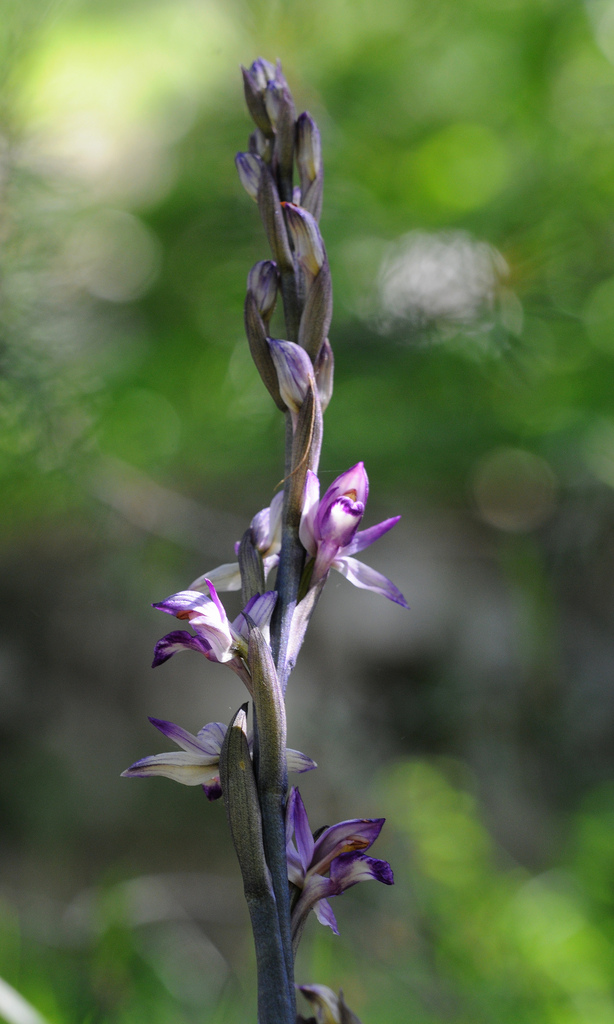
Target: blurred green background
column 468, row 216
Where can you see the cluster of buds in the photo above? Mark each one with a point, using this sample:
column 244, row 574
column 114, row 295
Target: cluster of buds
column 287, row 872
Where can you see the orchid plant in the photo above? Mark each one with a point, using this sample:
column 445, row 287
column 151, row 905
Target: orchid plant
column 287, row 872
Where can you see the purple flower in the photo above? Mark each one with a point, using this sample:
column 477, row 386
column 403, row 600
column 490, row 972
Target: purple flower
column 216, row 638
column 329, row 531
column 198, row 761
column 266, row 530
column 337, row 853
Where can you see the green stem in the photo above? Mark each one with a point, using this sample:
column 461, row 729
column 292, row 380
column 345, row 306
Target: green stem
column 272, row 776
column 276, row 999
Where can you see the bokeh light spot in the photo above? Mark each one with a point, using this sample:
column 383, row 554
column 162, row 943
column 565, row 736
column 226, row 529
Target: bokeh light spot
column 114, row 256
column 429, row 278
column 514, row 490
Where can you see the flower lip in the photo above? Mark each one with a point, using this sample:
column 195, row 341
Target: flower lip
column 180, row 640
column 339, row 521
column 207, row 617
column 348, row 836
column 349, row 868
column 354, row 479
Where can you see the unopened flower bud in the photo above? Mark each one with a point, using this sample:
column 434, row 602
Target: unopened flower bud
column 273, row 99
column 260, row 145
column 262, row 282
column 250, row 170
column 308, row 149
column 294, row 371
column 262, row 72
column 306, row 236
column 256, row 81
column 324, row 367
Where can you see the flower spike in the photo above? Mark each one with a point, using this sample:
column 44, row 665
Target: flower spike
column 287, row 872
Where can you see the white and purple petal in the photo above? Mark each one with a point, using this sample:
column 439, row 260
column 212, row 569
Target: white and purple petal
column 184, row 603
column 211, row 737
column 324, row 913
column 355, row 834
column 210, row 621
column 213, row 791
column 298, row 762
column 225, row 577
column 218, row 604
column 238, row 665
column 181, row 737
column 296, row 874
column 366, row 578
column 364, row 538
column 316, row 888
column 179, row 640
column 351, row 868
column 259, row 608
column 270, row 563
column 275, row 511
column 311, row 500
column 178, row 765
column 302, row 832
